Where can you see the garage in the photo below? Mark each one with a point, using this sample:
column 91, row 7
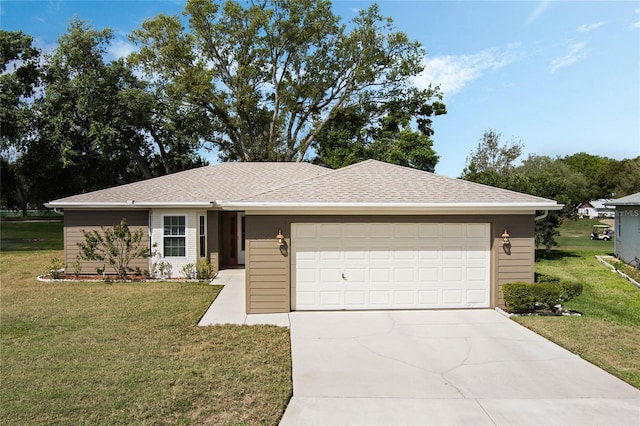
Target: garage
column 351, row 266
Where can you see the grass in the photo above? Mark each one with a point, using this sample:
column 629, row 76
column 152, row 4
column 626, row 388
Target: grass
column 130, row 353
column 31, row 235
column 574, row 235
column 608, row 333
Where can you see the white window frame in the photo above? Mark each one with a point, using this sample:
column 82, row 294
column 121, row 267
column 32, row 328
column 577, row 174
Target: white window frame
column 202, row 235
column 165, row 236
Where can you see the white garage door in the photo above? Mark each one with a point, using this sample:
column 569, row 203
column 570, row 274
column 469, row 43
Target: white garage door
column 390, row 266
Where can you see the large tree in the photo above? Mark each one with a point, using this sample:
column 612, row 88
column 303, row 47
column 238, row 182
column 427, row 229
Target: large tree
column 349, row 137
column 19, row 78
column 492, row 157
column 272, row 75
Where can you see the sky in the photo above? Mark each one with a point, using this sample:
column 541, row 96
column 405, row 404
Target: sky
column 561, row 77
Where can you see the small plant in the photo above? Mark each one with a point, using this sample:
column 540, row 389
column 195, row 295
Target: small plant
column 204, row 269
column 162, row 269
column 77, row 267
column 56, row 269
column 188, row 270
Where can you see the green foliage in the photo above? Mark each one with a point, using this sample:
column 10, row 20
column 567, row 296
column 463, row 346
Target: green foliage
column 56, row 268
column 491, row 157
column 546, row 231
column 271, row 76
column 188, row 270
column 77, row 267
column 523, row 297
column 204, row 269
column 117, row 246
column 347, row 139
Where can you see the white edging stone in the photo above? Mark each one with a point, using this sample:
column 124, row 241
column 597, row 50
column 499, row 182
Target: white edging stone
column 614, row 269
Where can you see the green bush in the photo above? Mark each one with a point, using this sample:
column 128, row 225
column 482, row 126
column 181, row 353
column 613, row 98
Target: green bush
column 519, row 297
column 204, row 269
column 522, row 297
column 570, row 289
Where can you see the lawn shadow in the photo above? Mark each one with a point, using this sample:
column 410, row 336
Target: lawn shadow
column 543, row 254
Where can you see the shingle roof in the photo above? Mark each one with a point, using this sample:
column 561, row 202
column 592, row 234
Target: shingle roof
column 225, row 181
column 243, row 185
column 374, row 181
column 629, row 200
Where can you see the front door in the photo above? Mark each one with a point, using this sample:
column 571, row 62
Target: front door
column 233, row 238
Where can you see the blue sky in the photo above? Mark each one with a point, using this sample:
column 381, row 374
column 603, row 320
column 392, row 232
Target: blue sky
column 560, row 76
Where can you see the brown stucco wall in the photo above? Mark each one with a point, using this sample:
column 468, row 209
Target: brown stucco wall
column 268, row 283
column 77, row 221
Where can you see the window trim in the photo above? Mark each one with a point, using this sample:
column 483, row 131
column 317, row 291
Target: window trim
column 164, row 236
column 202, row 236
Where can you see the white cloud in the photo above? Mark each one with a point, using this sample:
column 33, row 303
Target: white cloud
column 585, row 28
column 539, row 10
column 452, row 73
column 120, row 49
column 574, row 54
column 634, row 25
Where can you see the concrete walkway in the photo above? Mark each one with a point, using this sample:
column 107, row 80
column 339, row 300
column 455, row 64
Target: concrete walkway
column 469, row 367
column 229, row 306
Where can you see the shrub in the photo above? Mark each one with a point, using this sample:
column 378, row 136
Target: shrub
column 204, row 269
column 116, row 246
column 570, row 289
column 521, row 297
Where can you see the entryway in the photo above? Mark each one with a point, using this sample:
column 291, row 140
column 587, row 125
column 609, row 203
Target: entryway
column 233, row 239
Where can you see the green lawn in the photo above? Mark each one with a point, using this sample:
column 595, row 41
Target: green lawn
column 608, row 333
column 130, row 353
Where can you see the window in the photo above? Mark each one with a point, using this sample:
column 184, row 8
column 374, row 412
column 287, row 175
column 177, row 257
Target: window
column 203, row 238
column 175, row 239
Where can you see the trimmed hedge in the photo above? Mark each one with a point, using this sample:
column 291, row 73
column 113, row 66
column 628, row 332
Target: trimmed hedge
column 522, row 297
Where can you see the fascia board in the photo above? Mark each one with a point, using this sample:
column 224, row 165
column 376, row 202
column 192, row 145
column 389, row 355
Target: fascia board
column 392, row 208
column 127, row 205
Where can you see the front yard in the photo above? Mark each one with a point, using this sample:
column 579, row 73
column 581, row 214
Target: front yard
column 608, row 333
column 130, row 353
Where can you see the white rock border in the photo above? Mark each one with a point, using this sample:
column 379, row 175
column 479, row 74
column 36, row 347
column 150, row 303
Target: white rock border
column 614, row 269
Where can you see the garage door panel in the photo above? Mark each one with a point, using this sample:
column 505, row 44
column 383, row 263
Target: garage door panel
column 429, row 230
column 476, row 297
column 453, row 230
column 477, row 230
column 390, row 266
column 331, row 299
column 380, row 275
column 355, row 299
column 379, row 298
column 380, row 254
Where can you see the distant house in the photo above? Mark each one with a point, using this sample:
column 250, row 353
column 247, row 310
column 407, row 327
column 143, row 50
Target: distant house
column 627, row 239
column 596, row 208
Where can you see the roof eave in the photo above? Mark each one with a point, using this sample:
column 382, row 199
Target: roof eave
column 125, row 205
column 391, row 208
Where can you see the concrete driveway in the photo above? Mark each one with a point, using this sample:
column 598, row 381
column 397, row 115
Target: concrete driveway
column 471, row 367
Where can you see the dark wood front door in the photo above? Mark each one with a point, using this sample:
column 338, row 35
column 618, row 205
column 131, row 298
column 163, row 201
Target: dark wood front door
column 231, row 239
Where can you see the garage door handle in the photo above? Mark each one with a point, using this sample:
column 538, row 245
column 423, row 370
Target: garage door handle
column 343, row 277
